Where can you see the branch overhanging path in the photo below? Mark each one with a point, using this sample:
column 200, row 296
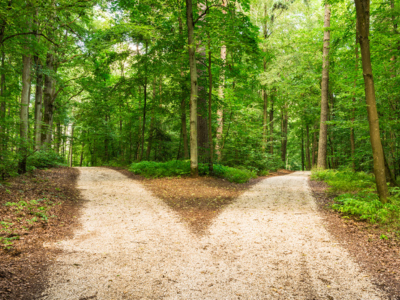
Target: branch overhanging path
column 269, row 244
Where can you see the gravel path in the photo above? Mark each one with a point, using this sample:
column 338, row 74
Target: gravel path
column 269, row 244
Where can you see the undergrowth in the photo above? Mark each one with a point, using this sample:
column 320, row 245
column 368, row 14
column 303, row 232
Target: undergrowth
column 357, row 196
column 27, row 212
column 182, row 168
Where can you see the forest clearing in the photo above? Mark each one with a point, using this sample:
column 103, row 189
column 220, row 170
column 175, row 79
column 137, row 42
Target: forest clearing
column 199, row 149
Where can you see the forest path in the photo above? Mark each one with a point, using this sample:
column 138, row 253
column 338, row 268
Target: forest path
column 269, row 244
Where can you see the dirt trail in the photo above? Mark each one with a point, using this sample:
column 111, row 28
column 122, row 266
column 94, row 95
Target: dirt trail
column 269, row 244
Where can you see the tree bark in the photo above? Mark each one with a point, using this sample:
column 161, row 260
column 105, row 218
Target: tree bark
column 202, row 118
column 71, row 146
column 302, row 148
column 183, row 104
column 24, row 110
column 323, row 129
column 363, row 16
column 150, row 143
column 210, row 141
column 220, row 111
column 308, row 156
column 144, row 106
column 352, row 138
column 193, row 91
column 271, row 125
column 2, row 107
column 26, row 84
column 285, row 119
column 38, row 104
column 314, row 147
column 265, row 119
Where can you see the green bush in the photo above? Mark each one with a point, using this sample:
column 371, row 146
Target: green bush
column 44, row 160
column 344, row 181
column 358, row 196
column 182, row 168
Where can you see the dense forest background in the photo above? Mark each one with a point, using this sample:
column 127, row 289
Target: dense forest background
column 94, row 83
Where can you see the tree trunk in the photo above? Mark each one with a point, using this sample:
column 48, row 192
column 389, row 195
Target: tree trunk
column 265, row 119
column 202, row 120
column 150, row 143
column 184, row 129
column 308, row 157
column 71, row 148
column 302, row 148
column 48, row 101
column 284, row 132
column 220, row 111
column 323, row 129
column 193, row 92
column 144, row 105
column 210, row 141
column 314, row 147
column 137, row 154
column 363, row 14
column 58, row 141
column 352, row 138
column 26, row 84
column 38, row 103
column 81, row 160
column 2, row 107
column 271, row 126
column 183, row 102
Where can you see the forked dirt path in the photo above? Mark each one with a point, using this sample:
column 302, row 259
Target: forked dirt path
column 269, row 244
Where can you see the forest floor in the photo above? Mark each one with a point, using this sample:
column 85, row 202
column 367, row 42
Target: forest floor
column 270, row 243
column 23, row 264
column 380, row 257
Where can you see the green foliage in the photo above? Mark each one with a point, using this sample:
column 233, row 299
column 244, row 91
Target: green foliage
column 344, row 181
column 358, row 197
column 45, row 159
column 182, row 168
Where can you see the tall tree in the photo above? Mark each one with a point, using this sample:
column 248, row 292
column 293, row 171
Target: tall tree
column 323, row 131
column 194, row 166
column 363, row 20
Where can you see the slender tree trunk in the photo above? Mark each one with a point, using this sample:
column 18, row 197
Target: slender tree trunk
column 38, row 103
column 363, row 15
column 144, row 105
column 220, row 111
column 352, row 138
column 137, row 154
column 264, row 91
column 81, row 160
column 150, row 143
column 2, row 107
column 323, row 131
column 314, row 147
column 202, row 118
column 302, row 148
column 184, row 129
column 271, row 126
column 48, row 100
column 308, row 156
column 71, row 146
column 284, row 132
column 183, row 102
column 58, row 142
column 26, row 84
column 210, row 141
column 194, row 91
column 265, row 119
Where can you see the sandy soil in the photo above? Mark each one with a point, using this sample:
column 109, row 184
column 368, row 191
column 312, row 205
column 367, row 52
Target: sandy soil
column 269, row 244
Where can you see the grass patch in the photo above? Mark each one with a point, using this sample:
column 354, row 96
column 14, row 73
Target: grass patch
column 151, row 169
column 357, row 196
